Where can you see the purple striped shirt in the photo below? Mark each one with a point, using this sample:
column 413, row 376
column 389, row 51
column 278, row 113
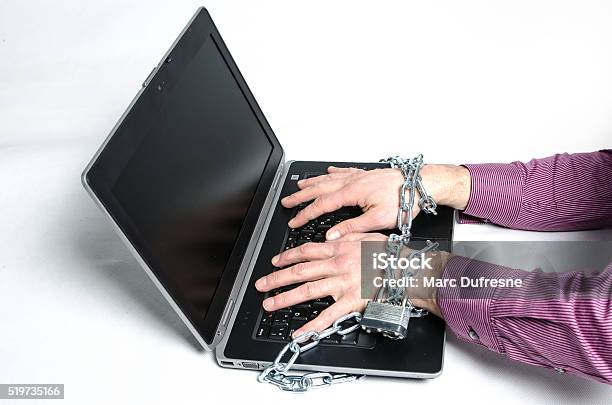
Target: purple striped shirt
column 566, row 332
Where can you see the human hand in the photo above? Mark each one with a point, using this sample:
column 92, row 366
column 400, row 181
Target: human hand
column 326, row 269
column 377, row 192
column 334, row 269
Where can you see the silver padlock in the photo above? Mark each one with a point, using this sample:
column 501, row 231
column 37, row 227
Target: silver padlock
column 389, row 319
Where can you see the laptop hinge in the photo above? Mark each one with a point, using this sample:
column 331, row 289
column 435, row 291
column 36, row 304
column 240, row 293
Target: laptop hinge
column 252, row 251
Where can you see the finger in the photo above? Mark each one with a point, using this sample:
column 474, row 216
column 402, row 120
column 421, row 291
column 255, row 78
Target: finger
column 321, row 179
column 321, row 205
column 351, row 237
column 310, row 193
column 364, row 223
column 306, row 292
column 306, row 252
column 334, row 169
column 312, row 181
column 326, row 318
column 298, row 273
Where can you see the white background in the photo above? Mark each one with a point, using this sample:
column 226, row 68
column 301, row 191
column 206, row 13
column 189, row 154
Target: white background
column 460, row 81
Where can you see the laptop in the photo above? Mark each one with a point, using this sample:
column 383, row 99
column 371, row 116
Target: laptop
column 191, row 178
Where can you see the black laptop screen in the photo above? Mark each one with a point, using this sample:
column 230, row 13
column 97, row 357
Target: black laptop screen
column 189, row 182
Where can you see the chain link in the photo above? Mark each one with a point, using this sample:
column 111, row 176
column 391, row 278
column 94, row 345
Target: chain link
column 276, row 373
column 411, row 170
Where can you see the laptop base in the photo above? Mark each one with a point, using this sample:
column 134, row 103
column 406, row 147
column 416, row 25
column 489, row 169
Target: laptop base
column 419, row 355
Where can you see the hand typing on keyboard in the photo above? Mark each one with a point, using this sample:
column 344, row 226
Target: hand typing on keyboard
column 330, row 269
column 376, row 192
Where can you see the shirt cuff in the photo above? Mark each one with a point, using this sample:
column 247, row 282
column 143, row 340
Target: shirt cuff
column 464, row 218
column 496, row 192
column 466, row 310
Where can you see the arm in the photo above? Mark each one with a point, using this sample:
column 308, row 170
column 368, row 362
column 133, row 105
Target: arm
column 561, row 321
column 556, row 320
column 559, row 193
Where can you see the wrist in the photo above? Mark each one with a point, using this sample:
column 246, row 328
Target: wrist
column 448, row 184
column 426, row 294
column 440, row 265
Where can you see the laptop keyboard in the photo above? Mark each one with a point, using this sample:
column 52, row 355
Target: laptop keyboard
column 280, row 325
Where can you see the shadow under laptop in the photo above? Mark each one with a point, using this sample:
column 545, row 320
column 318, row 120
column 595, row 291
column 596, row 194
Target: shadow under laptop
column 104, row 254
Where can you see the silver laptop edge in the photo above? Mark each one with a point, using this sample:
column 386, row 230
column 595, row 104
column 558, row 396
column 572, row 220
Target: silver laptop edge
column 248, row 266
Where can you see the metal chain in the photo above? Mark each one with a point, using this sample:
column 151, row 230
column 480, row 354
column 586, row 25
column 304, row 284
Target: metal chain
column 411, row 170
column 276, row 373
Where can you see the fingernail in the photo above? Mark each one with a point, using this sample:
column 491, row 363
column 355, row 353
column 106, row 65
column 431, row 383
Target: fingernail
column 297, row 333
column 290, row 223
column 275, row 259
column 300, row 182
column 268, row 303
column 261, row 283
column 332, row 235
column 284, row 200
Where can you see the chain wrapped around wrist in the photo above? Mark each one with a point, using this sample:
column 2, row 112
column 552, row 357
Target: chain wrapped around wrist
column 392, row 309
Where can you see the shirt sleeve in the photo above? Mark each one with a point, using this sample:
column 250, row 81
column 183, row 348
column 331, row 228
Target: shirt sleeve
column 562, row 321
column 563, row 192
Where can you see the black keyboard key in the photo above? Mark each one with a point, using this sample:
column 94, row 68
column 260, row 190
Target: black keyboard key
column 292, row 238
column 318, row 238
column 282, row 316
column 321, row 303
column 295, row 325
column 266, row 319
column 262, row 332
column 300, row 313
column 309, row 226
column 318, row 306
column 278, row 332
column 324, row 227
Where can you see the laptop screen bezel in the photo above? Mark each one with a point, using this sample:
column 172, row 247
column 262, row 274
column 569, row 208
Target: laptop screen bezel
column 104, row 169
